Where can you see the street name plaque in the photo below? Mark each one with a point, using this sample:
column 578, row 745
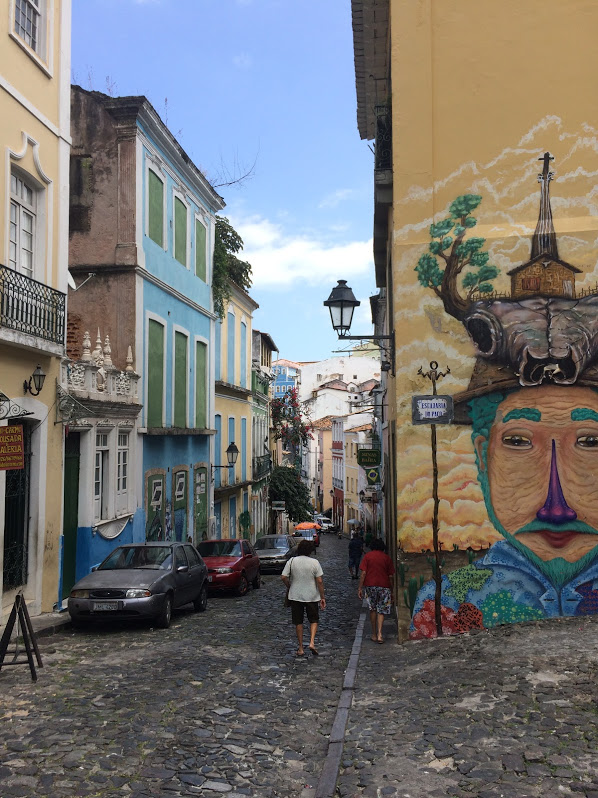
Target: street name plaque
column 431, row 409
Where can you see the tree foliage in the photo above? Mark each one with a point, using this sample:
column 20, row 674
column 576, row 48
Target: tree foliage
column 450, row 253
column 227, row 266
column 286, row 486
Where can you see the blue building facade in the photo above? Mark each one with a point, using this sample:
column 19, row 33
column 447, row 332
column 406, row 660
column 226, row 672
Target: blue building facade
column 287, row 375
column 177, row 334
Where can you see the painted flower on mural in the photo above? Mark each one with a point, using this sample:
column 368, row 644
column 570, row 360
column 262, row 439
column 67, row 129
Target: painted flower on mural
column 467, row 618
column 500, row 608
column 288, row 422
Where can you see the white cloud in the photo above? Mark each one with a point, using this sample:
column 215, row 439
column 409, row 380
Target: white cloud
column 278, row 259
column 243, row 61
column 334, row 199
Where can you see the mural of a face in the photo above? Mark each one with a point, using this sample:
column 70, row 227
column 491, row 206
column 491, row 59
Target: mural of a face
column 541, row 464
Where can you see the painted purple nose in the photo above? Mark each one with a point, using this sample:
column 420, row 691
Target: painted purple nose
column 555, row 510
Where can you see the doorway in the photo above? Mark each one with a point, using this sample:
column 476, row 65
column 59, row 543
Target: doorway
column 16, row 516
column 72, row 454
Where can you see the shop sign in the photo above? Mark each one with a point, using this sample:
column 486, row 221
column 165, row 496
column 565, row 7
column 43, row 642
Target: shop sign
column 368, row 457
column 12, row 448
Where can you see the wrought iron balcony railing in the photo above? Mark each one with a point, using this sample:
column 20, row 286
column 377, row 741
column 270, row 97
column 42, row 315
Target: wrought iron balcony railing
column 261, row 466
column 383, row 150
column 31, row 307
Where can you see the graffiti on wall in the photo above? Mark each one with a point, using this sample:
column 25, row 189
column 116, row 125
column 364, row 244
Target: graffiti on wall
column 532, row 403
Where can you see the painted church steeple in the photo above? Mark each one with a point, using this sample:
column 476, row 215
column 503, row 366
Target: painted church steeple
column 544, row 240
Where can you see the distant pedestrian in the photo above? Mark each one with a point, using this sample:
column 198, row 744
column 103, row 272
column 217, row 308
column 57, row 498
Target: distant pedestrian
column 377, row 576
column 355, row 554
column 303, row 576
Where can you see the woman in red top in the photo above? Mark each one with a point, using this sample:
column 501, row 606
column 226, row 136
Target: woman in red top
column 377, row 575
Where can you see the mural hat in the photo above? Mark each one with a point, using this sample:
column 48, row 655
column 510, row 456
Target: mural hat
column 542, row 333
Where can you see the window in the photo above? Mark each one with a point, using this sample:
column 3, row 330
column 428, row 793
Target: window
column 122, row 463
column 530, row 283
column 28, row 23
column 155, row 212
column 180, row 380
column 155, row 374
column 180, row 231
column 23, row 198
column 201, row 403
column 230, row 348
column 100, row 478
column 200, row 250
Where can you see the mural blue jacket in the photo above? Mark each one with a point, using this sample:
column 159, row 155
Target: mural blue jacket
column 506, row 588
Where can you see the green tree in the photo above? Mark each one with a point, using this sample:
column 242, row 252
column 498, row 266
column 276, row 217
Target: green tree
column 286, row 486
column 227, row 266
column 450, row 253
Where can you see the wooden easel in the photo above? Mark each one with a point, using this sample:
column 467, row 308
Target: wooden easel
column 20, row 615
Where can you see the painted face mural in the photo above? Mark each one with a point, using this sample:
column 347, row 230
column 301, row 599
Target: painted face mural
column 533, row 405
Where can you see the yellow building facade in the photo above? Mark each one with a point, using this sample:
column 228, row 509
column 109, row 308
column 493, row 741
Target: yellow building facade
column 34, row 181
column 464, row 98
column 233, row 418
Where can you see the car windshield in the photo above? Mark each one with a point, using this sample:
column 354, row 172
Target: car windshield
column 151, row 557
column 271, row 543
column 220, row 548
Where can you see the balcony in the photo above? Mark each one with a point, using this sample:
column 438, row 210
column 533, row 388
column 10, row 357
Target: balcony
column 31, row 308
column 261, row 467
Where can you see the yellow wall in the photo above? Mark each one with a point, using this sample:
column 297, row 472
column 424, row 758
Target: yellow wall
column 480, row 90
column 35, row 134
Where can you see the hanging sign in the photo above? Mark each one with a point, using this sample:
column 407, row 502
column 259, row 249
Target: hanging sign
column 12, row 448
column 278, row 506
column 373, row 476
column 431, row 409
column 368, row 457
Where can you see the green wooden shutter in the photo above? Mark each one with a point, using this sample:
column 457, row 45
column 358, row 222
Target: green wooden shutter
column 200, row 386
column 180, row 231
column 156, row 208
column 155, row 374
column 180, row 380
column 200, row 250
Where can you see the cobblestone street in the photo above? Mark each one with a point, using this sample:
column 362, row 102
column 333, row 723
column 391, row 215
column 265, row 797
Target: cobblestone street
column 218, row 704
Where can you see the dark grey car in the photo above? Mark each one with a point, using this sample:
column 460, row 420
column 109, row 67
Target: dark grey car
column 145, row 580
column 274, row 551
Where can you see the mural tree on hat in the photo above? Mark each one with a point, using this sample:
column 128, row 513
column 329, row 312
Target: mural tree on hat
column 456, row 253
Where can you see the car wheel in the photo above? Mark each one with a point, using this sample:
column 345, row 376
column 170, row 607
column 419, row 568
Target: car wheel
column 243, row 586
column 164, row 616
column 201, row 602
column 257, row 582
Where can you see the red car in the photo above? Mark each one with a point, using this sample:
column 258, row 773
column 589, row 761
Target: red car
column 232, row 564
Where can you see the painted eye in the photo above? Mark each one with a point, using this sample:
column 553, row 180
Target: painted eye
column 588, row 441
column 517, row 441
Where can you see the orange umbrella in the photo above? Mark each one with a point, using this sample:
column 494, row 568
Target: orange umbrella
column 308, row 525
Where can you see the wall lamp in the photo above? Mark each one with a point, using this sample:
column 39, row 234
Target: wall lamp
column 341, row 304
column 37, row 378
column 231, row 455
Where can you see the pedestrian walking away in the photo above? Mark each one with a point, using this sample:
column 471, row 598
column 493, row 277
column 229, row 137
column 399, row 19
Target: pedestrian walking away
column 377, row 577
column 303, row 577
column 355, row 554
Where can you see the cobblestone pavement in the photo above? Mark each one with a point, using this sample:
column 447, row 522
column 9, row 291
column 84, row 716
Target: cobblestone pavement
column 511, row 712
column 216, row 705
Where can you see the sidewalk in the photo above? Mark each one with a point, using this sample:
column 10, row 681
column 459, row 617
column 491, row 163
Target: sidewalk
column 507, row 712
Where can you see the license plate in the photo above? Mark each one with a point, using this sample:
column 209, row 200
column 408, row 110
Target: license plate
column 209, row 578
column 104, row 606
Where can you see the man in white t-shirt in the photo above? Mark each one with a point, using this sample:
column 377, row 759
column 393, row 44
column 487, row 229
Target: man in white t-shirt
column 303, row 577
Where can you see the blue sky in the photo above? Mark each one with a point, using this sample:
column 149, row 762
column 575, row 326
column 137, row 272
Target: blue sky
column 270, row 81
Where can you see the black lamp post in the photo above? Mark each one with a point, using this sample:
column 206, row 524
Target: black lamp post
column 342, row 303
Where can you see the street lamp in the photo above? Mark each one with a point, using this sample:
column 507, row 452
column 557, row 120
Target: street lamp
column 231, row 455
column 37, row 378
column 341, row 304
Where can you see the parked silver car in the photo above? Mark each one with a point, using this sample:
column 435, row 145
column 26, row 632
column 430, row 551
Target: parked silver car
column 138, row 581
column 274, row 551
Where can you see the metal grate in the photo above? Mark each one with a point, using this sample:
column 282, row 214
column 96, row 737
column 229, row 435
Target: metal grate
column 31, row 307
column 383, row 149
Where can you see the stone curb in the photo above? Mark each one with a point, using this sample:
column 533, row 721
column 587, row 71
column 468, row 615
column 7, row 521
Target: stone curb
column 329, row 775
